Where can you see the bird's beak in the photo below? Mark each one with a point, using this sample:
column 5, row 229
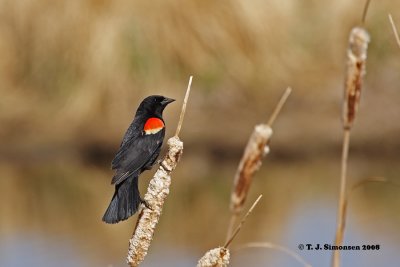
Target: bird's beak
column 167, row 100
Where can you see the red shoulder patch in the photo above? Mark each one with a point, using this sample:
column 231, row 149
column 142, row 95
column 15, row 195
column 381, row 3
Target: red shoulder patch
column 153, row 125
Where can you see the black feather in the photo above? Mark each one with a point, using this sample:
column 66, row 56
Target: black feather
column 125, row 201
column 136, row 154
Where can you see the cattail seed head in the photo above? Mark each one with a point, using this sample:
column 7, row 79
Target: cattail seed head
column 157, row 192
column 356, row 62
column 249, row 164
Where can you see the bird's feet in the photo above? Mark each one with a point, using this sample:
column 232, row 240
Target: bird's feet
column 161, row 163
column 144, row 202
column 147, row 168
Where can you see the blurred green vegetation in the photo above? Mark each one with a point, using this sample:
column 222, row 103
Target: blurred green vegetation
column 73, row 72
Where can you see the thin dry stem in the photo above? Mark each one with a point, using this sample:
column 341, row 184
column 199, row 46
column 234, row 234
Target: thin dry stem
column 219, row 257
column 178, row 128
column 364, row 182
column 232, row 222
column 340, row 225
column 276, row 247
column 242, row 222
column 395, row 31
column 365, row 11
column 279, row 106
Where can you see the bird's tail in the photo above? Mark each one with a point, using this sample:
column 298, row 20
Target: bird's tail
column 125, row 202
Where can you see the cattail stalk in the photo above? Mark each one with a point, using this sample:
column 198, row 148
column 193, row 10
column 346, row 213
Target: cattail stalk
column 157, row 192
column 356, row 62
column 256, row 149
column 395, row 31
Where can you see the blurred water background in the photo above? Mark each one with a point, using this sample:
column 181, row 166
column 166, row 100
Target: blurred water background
column 73, row 72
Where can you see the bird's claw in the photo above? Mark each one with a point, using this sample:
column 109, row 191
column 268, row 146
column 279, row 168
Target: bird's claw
column 161, row 163
column 144, row 202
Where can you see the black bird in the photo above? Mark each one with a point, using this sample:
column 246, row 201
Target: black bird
column 138, row 151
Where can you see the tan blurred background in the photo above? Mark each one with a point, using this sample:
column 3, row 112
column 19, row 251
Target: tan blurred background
column 73, row 72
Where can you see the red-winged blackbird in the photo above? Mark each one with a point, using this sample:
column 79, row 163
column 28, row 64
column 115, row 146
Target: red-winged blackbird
column 139, row 150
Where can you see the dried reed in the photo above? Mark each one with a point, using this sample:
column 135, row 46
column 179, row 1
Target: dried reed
column 256, row 149
column 356, row 62
column 230, row 239
column 157, row 192
column 395, row 31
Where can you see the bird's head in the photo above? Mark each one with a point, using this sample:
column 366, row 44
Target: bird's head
column 154, row 104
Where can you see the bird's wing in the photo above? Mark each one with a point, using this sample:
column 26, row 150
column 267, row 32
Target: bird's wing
column 136, row 154
column 131, row 134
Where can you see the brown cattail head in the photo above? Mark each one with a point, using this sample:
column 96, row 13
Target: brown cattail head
column 356, row 61
column 251, row 161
